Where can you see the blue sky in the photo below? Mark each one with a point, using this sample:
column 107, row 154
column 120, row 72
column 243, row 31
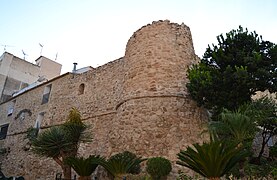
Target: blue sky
column 94, row 32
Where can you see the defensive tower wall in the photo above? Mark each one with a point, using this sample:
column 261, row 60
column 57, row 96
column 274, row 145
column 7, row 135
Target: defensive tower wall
column 137, row 103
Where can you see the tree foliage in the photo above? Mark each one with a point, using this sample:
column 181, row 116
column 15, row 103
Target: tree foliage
column 232, row 71
column 264, row 111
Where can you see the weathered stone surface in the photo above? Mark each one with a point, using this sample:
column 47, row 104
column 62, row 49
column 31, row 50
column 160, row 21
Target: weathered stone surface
column 137, row 103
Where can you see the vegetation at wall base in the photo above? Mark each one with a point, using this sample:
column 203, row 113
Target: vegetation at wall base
column 265, row 170
column 123, row 163
column 84, row 167
column 158, row 167
column 61, row 142
column 32, row 133
column 212, row 160
column 264, row 112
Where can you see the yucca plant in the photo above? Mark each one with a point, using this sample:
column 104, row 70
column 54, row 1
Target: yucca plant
column 84, row 167
column 122, row 163
column 60, row 142
column 212, row 160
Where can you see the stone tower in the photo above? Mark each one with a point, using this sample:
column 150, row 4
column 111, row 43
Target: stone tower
column 155, row 116
column 137, row 103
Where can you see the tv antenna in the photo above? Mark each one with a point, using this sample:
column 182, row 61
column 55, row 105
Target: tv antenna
column 41, row 48
column 24, row 54
column 5, row 46
column 56, row 56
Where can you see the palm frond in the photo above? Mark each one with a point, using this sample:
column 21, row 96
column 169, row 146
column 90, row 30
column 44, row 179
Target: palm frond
column 122, row 163
column 213, row 159
column 51, row 143
column 84, row 166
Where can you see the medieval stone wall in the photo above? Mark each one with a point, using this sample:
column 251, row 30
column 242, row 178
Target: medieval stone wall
column 137, row 103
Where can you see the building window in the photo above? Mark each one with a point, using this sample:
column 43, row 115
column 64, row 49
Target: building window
column 11, row 108
column 39, row 120
column 81, row 88
column 3, row 131
column 46, row 94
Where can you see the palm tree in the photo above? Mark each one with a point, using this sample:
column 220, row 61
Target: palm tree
column 234, row 126
column 84, row 167
column 264, row 111
column 213, row 159
column 60, row 142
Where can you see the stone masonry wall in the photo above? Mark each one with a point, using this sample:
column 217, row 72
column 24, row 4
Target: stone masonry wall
column 137, row 103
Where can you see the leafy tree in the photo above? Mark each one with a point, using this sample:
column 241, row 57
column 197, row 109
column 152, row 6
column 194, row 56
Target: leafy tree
column 232, row 71
column 264, row 111
column 60, row 142
column 212, row 160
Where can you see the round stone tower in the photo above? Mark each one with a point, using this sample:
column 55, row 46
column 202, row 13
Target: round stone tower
column 155, row 116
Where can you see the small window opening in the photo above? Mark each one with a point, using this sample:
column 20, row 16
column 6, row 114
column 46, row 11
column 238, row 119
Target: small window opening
column 3, row 131
column 46, row 94
column 81, row 89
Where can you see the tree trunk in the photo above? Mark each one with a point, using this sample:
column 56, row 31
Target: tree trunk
column 264, row 142
column 214, row 178
column 84, row 178
column 66, row 172
column 241, row 168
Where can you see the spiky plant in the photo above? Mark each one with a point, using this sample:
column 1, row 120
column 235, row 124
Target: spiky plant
column 212, row 160
column 84, row 167
column 60, row 142
column 235, row 126
column 122, row 163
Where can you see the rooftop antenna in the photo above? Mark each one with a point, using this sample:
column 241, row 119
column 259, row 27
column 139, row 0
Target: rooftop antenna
column 5, row 46
column 41, row 48
column 56, row 56
column 24, row 54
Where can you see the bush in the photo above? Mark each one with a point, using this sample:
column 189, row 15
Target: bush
column 158, row 167
column 273, row 151
column 123, row 163
column 274, row 173
column 258, row 171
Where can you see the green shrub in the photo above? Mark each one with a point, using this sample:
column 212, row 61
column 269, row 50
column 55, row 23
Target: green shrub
column 274, row 173
column 273, row 151
column 213, row 159
column 252, row 170
column 158, row 167
column 183, row 176
column 84, row 166
column 123, row 163
column 32, row 133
